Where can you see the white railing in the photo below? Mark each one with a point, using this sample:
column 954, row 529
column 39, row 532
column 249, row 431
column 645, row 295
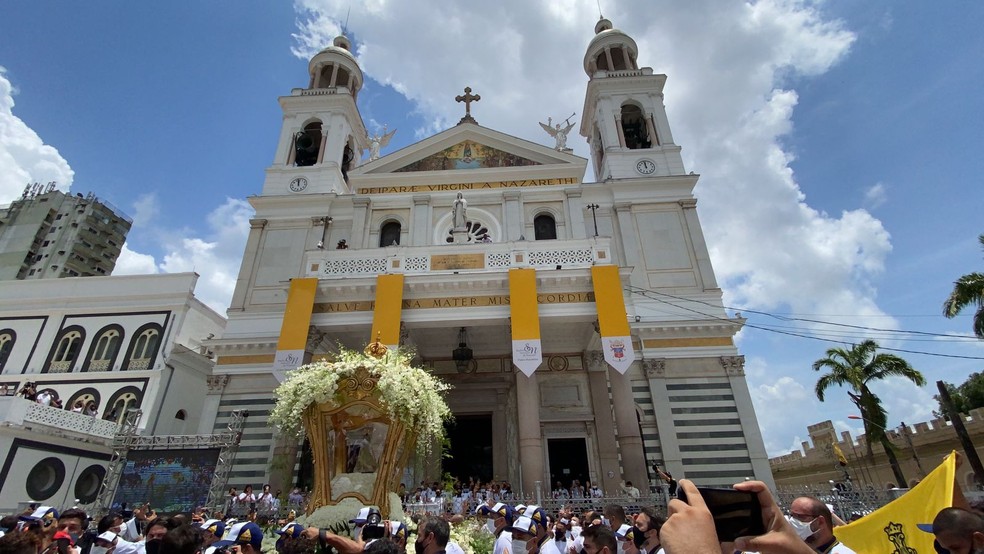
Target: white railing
column 99, row 365
column 138, row 364
column 68, row 420
column 480, row 257
column 60, row 367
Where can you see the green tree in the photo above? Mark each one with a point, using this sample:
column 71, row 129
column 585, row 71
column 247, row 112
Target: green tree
column 965, row 397
column 857, row 368
column 968, row 290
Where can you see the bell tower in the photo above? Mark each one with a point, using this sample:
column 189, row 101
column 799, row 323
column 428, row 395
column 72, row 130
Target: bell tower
column 323, row 135
column 624, row 117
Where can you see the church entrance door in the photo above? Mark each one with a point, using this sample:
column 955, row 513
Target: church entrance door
column 568, row 461
column 471, row 447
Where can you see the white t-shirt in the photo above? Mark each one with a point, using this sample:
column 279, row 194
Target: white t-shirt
column 503, row 544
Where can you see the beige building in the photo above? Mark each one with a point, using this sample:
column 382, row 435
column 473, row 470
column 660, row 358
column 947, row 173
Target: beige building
column 48, row 233
column 683, row 401
column 919, row 449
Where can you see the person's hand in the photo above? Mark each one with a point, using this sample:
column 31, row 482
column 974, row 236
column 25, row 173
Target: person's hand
column 779, row 537
column 690, row 527
column 344, row 545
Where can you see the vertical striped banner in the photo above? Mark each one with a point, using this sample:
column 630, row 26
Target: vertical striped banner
column 294, row 329
column 388, row 309
column 525, row 315
column 616, row 341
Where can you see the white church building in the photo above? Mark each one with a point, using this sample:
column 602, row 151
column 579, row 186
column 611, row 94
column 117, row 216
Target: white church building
column 340, row 253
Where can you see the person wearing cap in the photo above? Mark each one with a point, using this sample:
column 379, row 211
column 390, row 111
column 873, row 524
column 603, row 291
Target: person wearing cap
column 288, row 533
column 366, row 515
column 398, row 531
column 212, row 531
column 246, row 535
column 524, row 530
column 504, row 515
column 958, row 531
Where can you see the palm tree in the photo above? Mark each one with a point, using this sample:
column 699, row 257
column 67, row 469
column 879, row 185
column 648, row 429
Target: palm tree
column 968, row 290
column 857, row 368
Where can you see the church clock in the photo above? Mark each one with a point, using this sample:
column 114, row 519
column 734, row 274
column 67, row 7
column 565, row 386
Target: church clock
column 298, row 184
column 646, row 167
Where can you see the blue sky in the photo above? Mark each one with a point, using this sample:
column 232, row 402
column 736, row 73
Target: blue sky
column 838, row 141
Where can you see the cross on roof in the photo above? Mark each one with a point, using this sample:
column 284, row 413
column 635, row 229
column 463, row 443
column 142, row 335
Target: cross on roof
column 467, row 98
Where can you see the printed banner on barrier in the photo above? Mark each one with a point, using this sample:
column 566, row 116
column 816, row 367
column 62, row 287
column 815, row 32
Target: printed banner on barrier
column 616, row 339
column 525, row 316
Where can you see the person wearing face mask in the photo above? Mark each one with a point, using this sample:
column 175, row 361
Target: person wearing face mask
column 156, row 530
column 504, row 517
column 645, row 535
column 813, row 522
column 560, row 534
column 523, row 531
column 432, row 536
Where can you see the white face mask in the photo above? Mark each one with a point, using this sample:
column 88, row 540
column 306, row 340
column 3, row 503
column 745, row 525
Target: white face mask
column 490, row 525
column 802, row 528
column 519, row 546
column 618, row 548
column 98, row 549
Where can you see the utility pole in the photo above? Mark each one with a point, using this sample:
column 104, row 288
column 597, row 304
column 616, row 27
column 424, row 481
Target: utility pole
column 958, row 426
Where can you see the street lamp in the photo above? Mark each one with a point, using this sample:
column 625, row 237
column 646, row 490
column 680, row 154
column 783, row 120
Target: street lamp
column 905, row 435
column 594, row 217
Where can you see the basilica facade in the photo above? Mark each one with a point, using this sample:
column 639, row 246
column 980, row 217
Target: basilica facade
column 471, row 242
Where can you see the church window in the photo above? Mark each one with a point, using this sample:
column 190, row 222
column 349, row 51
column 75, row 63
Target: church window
column 618, row 59
column 67, row 348
column 144, row 347
column 389, row 233
column 307, row 144
column 544, row 227
column 634, row 127
column 7, row 339
column 104, row 349
column 125, row 399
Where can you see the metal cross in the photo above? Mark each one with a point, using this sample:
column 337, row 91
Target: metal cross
column 467, row 98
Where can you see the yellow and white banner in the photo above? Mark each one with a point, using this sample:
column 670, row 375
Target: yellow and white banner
column 388, row 310
column 894, row 527
column 294, row 329
column 616, row 339
column 525, row 315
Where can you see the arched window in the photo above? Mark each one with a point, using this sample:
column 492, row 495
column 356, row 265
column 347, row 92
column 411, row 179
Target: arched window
column 389, row 233
column 104, row 349
column 182, row 415
column 125, row 399
column 7, row 339
column 143, row 347
column 544, row 227
column 307, row 145
column 634, row 127
column 66, row 351
column 84, row 398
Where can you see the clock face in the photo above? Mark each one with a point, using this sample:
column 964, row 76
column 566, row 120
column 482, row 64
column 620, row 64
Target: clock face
column 645, row 167
column 298, row 184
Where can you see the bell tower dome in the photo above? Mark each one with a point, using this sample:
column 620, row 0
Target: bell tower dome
column 624, row 116
column 323, row 135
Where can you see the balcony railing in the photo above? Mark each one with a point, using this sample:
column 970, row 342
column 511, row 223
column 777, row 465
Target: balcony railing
column 60, row 367
column 466, row 258
column 19, row 411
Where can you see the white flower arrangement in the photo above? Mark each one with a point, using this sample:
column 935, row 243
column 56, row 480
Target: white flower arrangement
column 409, row 394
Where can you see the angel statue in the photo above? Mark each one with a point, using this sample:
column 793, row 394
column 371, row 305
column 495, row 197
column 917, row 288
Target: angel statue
column 559, row 134
column 378, row 141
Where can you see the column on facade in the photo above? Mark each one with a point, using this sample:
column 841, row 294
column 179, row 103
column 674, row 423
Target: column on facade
column 575, row 213
column 662, row 123
column 421, row 228
column 734, row 367
column 210, row 408
column 618, row 127
column 669, row 445
column 603, row 421
column 707, row 278
column 321, row 147
column 627, row 423
column 608, row 56
column 530, row 436
column 513, row 223
column 651, row 130
column 631, row 250
column 360, row 215
column 500, row 460
column 292, row 150
column 334, row 76
column 248, row 267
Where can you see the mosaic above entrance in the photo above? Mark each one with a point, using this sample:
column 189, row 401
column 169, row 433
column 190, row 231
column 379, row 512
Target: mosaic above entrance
column 467, row 155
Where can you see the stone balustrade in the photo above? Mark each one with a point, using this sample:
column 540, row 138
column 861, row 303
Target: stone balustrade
column 15, row 410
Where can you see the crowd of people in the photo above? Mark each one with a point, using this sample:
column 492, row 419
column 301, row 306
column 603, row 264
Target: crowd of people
column 807, row 527
column 48, row 397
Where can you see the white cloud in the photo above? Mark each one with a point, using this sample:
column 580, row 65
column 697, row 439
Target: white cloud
column 24, row 157
column 214, row 253
column 876, row 195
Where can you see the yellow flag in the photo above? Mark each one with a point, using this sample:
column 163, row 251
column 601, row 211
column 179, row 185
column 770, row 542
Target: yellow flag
column 841, row 458
column 892, row 528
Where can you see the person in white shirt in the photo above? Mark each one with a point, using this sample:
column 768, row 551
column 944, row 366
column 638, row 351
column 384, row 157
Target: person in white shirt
column 44, row 398
column 264, row 502
column 504, row 515
column 246, row 498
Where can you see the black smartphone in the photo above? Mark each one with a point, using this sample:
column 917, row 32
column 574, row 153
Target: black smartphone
column 736, row 513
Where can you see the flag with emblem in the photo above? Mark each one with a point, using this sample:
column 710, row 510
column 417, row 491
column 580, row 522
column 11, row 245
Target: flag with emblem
column 893, row 527
column 841, row 458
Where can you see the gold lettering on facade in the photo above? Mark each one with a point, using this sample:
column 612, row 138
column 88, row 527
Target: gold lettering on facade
column 454, row 302
column 468, row 186
column 457, row 261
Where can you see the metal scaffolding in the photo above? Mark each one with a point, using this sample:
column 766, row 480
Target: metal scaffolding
column 127, row 439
